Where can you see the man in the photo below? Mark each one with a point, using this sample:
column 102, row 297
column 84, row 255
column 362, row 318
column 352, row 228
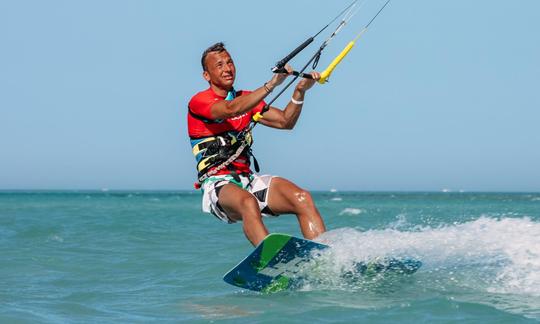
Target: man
column 218, row 121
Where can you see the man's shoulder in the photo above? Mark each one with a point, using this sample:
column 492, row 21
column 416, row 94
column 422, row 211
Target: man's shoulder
column 208, row 96
column 204, row 95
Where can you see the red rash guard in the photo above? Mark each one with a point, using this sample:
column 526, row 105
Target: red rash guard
column 203, row 125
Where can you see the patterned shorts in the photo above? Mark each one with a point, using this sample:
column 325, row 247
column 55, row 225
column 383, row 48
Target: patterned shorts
column 255, row 184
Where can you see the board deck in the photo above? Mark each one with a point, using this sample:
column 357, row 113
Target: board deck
column 275, row 262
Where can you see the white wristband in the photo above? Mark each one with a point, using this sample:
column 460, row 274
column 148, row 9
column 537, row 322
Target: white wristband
column 296, row 102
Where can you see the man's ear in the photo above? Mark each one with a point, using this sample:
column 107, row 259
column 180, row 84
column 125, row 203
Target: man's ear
column 206, row 76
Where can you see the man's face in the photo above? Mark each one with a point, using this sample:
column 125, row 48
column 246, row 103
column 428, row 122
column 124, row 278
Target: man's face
column 220, row 70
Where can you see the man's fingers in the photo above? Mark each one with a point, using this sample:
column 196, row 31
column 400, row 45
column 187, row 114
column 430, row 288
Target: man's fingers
column 289, row 69
column 315, row 75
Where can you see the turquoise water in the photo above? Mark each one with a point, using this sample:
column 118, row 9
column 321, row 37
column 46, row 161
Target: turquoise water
column 154, row 256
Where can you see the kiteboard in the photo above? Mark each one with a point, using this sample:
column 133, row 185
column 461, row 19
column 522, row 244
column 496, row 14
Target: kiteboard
column 275, row 264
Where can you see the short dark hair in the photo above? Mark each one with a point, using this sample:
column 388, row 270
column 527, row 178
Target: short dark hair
column 217, row 47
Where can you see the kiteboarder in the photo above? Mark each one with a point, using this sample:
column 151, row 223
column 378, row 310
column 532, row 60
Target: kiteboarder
column 219, row 120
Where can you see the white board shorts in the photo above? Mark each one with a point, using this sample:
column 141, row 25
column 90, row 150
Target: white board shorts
column 257, row 185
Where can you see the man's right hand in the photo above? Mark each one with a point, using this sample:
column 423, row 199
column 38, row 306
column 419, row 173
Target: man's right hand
column 278, row 78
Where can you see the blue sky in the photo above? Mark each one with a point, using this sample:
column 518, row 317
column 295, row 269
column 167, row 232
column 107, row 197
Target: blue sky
column 436, row 95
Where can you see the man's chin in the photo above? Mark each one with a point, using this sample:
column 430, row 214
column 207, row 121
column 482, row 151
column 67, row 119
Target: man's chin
column 224, row 84
column 228, row 84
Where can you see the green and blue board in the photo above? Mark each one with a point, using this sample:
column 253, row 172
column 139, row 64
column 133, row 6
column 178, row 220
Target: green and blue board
column 275, row 263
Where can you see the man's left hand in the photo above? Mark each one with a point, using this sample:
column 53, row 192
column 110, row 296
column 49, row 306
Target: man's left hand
column 306, row 84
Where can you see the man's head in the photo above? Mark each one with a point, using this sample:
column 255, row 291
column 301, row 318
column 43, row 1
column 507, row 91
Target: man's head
column 218, row 66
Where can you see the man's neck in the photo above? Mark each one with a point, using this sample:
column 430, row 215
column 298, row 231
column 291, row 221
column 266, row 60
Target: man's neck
column 219, row 91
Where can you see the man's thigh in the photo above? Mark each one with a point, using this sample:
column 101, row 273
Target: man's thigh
column 284, row 196
column 234, row 200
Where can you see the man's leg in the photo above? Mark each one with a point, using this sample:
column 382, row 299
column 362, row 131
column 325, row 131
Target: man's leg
column 241, row 205
column 287, row 198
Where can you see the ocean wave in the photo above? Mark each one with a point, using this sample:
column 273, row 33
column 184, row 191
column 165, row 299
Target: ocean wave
column 352, row 211
column 488, row 260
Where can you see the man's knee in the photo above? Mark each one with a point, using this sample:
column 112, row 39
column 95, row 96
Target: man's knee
column 302, row 199
column 249, row 206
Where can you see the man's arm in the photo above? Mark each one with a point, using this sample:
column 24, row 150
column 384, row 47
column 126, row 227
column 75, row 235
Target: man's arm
column 287, row 118
column 226, row 109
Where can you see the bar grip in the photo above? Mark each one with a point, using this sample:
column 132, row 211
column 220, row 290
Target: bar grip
column 295, row 73
column 302, row 75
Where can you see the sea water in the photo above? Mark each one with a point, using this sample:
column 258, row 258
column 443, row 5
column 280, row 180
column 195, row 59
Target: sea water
column 138, row 257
